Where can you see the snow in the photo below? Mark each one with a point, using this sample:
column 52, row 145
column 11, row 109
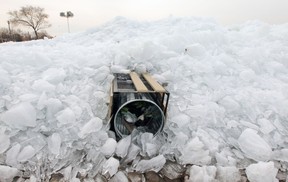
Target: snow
column 227, row 109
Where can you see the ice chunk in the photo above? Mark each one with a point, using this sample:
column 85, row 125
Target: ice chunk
column 42, row 101
column 4, row 78
column 254, row 146
column 193, row 153
column 4, row 142
column 54, row 143
column 54, row 75
column 262, row 172
column 32, row 179
column 20, row 116
column 154, row 164
column 26, row 153
column 53, row 107
column 224, row 158
column 123, row 146
column 129, row 117
column 281, row 155
column 11, row 155
column 7, row 173
column 195, row 50
column 119, row 69
column 109, row 147
column 204, row 173
column 230, row 104
column 42, row 86
column 228, row 174
column 119, row 176
column 265, row 126
column 179, row 139
column 94, row 125
column 28, row 97
column 132, row 153
column 151, row 149
column 148, row 147
column 101, row 73
column 110, row 167
column 66, row 116
column 181, row 120
column 140, row 68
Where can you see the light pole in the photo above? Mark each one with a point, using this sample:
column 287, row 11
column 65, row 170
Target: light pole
column 9, row 28
column 67, row 15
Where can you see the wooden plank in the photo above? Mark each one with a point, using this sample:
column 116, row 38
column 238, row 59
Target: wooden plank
column 153, row 83
column 139, row 85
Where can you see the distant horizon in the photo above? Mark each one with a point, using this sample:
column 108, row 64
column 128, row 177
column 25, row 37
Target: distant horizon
column 89, row 14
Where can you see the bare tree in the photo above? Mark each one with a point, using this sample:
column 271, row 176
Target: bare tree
column 30, row 16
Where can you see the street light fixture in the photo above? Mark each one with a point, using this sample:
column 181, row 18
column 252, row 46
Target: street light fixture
column 67, row 15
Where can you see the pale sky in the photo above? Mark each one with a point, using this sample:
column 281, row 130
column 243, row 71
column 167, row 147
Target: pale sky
column 92, row 13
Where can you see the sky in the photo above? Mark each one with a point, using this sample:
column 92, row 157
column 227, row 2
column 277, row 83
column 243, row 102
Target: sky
column 92, row 13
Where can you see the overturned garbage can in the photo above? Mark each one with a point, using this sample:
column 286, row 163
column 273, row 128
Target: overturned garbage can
column 137, row 102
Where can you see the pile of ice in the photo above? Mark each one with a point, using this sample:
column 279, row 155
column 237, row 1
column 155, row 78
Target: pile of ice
column 228, row 108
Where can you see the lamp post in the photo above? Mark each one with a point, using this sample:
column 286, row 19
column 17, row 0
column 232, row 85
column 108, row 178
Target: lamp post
column 9, row 28
column 67, row 15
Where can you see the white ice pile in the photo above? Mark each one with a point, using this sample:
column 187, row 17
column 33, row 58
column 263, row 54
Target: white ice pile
column 227, row 112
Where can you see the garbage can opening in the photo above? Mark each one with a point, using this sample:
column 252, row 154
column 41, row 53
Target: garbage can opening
column 141, row 114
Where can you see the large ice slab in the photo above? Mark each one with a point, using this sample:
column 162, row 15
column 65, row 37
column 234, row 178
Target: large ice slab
column 254, row 146
column 20, row 116
column 262, row 172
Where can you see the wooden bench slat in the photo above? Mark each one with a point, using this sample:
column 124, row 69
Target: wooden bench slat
column 153, row 83
column 139, row 85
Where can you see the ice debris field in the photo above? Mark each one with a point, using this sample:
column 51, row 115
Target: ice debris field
column 227, row 112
